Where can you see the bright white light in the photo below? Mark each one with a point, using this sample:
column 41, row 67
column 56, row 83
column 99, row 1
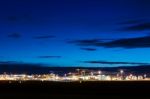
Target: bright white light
column 99, row 72
column 121, row 71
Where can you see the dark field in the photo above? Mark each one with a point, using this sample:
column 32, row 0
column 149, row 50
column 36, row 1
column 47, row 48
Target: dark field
column 75, row 90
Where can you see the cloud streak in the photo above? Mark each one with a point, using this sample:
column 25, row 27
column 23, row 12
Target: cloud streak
column 47, row 57
column 14, row 35
column 140, row 42
column 135, row 25
column 115, row 63
column 89, row 49
column 20, row 18
column 8, row 62
column 86, row 42
column 131, row 22
column 44, row 37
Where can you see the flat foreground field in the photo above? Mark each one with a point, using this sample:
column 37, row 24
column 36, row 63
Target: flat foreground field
column 75, row 90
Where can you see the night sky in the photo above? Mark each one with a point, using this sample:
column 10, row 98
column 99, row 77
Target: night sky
column 75, row 32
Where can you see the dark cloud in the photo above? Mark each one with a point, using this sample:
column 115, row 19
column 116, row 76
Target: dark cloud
column 44, row 37
column 12, row 18
column 115, row 63
column 88, row 42
column 89, row 49
column 140, row 42
column 20, row 18
column 137, row 27
column 7, row 62
column 131, row 22
column 45, row 57
column 21, row 67
column 18, row 63
column 14, row 35
column 30, row 68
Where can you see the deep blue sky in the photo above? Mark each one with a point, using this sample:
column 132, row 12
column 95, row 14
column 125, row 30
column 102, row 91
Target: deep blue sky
column 75, row 32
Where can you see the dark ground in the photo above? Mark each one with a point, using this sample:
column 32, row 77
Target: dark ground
column 75, row 90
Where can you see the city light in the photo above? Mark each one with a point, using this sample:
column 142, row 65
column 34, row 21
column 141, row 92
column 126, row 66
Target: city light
column 85, row 75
